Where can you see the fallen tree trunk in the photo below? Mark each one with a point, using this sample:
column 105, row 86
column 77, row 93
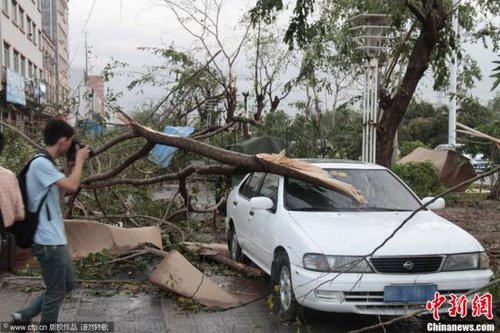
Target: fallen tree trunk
column 209, row 253
column 277, row 164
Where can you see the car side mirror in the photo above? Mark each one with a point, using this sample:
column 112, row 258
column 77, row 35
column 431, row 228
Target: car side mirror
column 261, row 203
column 436, row 205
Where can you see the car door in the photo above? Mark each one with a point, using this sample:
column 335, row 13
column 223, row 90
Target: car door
column 241, row 207
column 262, row 222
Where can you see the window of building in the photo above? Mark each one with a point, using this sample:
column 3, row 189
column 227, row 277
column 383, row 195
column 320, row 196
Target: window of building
column 40, row 39
column 34, row 32
column 35, row 72
column 23, row 66
column 30, row 69
column 6, row 55
column 5, row 6
column 30, row 28
column 40, row 74
column 14, row 11
column 21, row 18
column 16, row 61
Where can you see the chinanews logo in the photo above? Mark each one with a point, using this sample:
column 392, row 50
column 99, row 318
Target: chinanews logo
column 480, row 306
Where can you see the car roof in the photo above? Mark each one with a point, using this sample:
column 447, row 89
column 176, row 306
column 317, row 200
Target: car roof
column 326, row 163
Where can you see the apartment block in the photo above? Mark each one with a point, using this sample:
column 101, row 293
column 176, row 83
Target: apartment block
column 34, row 58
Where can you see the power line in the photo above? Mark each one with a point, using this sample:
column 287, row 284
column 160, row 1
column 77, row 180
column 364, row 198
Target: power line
column 88, row 17
column 83, row 31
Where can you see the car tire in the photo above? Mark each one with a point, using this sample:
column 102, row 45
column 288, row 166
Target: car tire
column 284, row 304
column 233, row 245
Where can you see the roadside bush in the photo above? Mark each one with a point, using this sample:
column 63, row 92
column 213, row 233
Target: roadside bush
column 409, row 146
column 422, row 177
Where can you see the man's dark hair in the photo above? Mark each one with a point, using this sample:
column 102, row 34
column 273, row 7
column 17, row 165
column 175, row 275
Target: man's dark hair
column 56, row 129
column 1, row 142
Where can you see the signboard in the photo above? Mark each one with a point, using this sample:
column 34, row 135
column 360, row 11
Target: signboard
column 15, row 88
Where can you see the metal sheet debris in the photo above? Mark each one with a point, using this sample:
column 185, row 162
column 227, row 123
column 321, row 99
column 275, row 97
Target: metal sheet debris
column 85, row 237
column 176, row 274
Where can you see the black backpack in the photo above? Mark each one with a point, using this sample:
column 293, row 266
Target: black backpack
column 24, row 230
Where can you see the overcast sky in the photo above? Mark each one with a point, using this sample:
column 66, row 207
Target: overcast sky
column 116, row 28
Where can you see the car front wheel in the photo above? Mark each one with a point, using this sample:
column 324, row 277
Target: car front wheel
column 284, row 303
column 233, row 245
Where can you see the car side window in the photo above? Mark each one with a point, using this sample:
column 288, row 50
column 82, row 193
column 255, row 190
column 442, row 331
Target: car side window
column 251, row 188
column 269, row 189
column 243, row 187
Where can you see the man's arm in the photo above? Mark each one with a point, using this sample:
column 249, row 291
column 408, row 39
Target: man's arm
column 72, row 182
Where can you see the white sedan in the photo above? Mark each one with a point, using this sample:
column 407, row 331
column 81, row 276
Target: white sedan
column 316, row 243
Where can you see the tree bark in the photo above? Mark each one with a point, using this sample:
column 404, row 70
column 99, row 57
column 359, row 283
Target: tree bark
column 396, row 107
column 432, row 22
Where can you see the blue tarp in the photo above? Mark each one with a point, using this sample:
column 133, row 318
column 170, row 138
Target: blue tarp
column 161, row 154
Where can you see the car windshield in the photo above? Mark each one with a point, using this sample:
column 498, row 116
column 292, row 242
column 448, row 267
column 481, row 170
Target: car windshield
column 383, row 191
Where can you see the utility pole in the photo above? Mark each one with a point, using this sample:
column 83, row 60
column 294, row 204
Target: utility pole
column 452, row 106
column 86, row 73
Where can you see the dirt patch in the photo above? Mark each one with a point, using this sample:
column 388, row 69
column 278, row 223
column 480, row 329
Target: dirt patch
column 481, row 218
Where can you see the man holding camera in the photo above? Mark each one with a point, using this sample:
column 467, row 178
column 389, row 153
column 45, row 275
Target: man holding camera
column 50, row 243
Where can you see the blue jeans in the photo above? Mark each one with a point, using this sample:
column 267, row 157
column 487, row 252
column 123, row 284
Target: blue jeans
column 59, row 278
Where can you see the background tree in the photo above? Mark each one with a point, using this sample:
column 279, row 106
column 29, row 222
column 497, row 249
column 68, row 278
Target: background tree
column 425, row 123
column 422, row 39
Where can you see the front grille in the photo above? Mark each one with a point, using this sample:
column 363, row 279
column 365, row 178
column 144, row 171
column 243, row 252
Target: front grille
column 364, row 297
column 376, row 298
column 407, row 265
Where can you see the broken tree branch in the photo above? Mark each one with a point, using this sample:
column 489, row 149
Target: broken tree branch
column 477, row 134
column 212, row 133
column 206, row 169
column 113, row 172
column 123, row 137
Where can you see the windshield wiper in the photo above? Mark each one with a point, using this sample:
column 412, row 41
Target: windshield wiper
column 384, row 209
column 313, row 209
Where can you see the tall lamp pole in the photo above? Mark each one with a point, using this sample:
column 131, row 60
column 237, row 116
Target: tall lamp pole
column 452, row 116
column 371, row 28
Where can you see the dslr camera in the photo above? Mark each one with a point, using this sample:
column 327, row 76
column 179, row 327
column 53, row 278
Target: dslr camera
column 71, row 153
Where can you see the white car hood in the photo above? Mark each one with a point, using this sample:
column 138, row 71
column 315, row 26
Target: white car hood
column 353, row 233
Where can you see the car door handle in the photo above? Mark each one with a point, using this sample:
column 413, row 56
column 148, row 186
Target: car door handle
column 235, row 203
column 252, row 212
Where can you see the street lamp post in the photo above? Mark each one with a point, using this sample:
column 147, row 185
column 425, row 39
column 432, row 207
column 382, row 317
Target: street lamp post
column 371, row 28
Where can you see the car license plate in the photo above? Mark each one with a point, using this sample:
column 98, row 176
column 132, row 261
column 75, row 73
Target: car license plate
column 415, row 293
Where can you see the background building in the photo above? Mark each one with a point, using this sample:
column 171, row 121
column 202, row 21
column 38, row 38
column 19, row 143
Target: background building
column 55, row 25
column 34, row 58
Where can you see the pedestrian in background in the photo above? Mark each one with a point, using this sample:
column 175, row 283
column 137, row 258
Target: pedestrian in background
column 11, row 201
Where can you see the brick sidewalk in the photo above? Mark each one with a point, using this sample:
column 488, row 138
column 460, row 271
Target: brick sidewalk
column 146, row 313
column 154, row 312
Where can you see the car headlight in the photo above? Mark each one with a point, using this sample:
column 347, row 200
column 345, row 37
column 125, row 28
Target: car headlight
column 346, row 264
column 462, row 262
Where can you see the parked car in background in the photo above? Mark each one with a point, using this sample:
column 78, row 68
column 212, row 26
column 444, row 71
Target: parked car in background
column 317, row 244
column 479, row 163
column 449, row 146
